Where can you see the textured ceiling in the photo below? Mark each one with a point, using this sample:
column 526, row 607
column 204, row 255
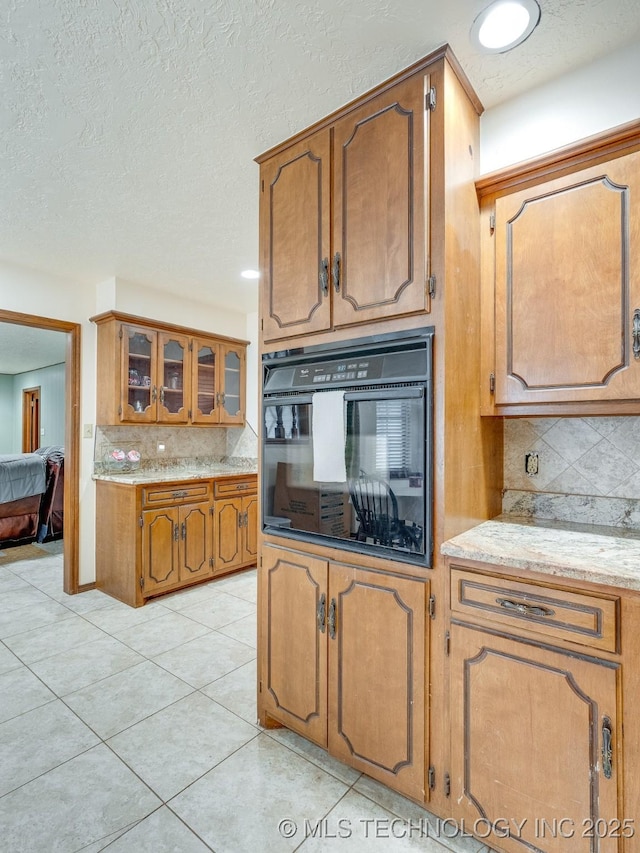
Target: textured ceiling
column 24, row 348
column 128, row 128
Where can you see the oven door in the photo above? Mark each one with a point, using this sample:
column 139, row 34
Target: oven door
column 384, row 505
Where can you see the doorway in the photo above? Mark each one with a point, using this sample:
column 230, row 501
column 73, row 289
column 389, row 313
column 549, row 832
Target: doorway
column 71, row 436
column 30, row 419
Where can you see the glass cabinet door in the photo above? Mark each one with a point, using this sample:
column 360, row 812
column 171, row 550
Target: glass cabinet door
column 204, row 393
column 232, row 386
column 139, row 392
column 173, row 378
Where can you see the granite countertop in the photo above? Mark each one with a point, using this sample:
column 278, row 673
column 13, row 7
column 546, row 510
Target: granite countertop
column 587, row 552
column 166, row 475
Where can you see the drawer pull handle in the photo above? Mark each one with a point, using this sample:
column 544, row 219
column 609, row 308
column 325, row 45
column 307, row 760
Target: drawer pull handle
column 524, row 609
column 180, row 494
column 322, row 612
column 607, row 751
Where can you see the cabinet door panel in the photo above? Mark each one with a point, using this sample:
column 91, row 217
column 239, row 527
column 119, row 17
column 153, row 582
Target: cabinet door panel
column 377, row 676
column 231, row 365
column 196, row 542
column 250, row 529
column 527, row 741
column 173, row 378
column 138, row 373
column 294, row 677
column 228, row 534
column 294, row 214
column 567, row 286
column 379, row 208
column 204, row 389
column 160, row 565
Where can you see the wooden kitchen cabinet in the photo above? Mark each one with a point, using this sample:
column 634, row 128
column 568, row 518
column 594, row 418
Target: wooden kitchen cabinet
column 159, row 374
column 326, row 673
column 536, row 723
column 236, row 524
column 562, row 267
column 159, row 537
column 342, row 218
column 176, row 547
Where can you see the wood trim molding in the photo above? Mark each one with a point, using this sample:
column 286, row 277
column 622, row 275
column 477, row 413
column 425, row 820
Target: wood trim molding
column 134, row 320
column 71, row 437
column 586, row 152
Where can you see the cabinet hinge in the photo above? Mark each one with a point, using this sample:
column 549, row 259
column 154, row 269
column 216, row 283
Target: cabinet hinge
column 431, row 285
column 447, row 643
column 492, row 223
column 432, row 606
column 431, row 778
column 211, row 561
column 119, row 410
column 262, row 186
column 262, row 325
column 189, row 414
column 190, row 346
column 141, row 582
column 140, row 522
column 120, row 332
column 260, row 560
column 492, row 383
column 431, row 99
column 447, row 785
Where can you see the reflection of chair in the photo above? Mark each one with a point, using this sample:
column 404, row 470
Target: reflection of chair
column 376, row 507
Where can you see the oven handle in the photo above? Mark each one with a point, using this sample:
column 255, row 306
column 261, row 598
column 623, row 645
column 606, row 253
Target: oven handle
column 350, row 396
column 385, row 394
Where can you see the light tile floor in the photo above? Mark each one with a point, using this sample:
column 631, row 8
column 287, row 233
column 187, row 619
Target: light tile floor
column 135, row 730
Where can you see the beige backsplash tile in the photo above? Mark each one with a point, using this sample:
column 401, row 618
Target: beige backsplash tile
column 589, row 469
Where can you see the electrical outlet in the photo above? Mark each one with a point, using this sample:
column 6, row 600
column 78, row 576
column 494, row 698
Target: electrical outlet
column 160, row 447
column 87, row 431
column 531, row 464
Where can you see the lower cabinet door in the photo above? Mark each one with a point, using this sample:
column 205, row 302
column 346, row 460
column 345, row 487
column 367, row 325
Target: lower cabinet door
column 534, row 745
column 160, row 550
column 196, row 542
column 293, row 681
column 228, row 528
column 377, row 677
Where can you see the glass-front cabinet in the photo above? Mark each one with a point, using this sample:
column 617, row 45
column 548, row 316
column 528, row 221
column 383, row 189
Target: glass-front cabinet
column 232, row 384
column 150, row 373
column 155, row 367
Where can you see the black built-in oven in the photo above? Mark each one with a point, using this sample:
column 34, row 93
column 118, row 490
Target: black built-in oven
column 347, row 445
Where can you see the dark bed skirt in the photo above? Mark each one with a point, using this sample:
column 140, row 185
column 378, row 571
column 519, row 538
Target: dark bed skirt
column 19, row 521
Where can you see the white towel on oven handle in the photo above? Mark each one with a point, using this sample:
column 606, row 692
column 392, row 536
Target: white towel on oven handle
column 329, row 437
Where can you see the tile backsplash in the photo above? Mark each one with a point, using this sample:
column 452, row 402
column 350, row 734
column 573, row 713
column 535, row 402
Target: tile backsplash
column 576, row 456
column 180, row 443
column 588, row 470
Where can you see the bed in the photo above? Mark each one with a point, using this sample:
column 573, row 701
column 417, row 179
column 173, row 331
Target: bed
column 31, row 496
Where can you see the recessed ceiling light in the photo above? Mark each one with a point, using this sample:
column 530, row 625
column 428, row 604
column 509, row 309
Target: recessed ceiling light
column 505, row 24
column 250, row 274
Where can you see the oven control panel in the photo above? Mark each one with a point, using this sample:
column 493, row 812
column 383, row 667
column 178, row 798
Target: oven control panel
column 325, row 373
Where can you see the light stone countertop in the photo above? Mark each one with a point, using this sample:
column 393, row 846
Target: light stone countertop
column 167, row 475
column 604, row 555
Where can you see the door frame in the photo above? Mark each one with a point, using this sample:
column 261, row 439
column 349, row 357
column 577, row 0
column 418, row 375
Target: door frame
column 71, row 539
column 28, row 426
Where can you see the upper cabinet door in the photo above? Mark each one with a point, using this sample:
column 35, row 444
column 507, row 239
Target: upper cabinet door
column 232, row 366
column 173, row 378
column 568, row 288
column 294, row 236
column 205, row 395
column 378, row 264
column 138, row 394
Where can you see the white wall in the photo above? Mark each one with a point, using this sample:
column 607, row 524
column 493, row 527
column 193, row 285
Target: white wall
column 589, row 100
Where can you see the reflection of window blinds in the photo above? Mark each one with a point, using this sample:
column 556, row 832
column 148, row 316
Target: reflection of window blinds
column 392, row 435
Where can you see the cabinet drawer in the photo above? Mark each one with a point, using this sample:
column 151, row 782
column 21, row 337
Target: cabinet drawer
column 223, row 488
column 554, row 613
column 175, row 494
